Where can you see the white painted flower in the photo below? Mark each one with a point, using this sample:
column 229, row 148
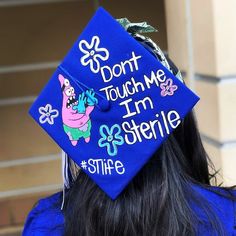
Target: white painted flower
column 93, row 54
column 47, row 114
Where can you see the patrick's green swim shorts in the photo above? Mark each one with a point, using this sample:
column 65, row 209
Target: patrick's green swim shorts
column 77, row 133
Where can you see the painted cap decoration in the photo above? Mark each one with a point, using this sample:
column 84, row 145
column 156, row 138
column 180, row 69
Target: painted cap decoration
column 110, row 104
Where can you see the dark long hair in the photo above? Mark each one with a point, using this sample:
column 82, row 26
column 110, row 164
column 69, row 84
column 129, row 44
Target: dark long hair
column 157, row 201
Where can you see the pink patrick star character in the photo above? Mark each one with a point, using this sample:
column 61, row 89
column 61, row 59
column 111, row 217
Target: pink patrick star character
column 76, row 113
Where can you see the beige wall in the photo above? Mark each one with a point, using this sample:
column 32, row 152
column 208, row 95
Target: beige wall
column 213, row 30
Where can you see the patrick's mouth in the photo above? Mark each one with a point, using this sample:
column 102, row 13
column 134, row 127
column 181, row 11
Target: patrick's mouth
column 71, row 102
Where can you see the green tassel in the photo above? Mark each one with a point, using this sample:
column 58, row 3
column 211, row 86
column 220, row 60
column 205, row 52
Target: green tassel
column 136, row 28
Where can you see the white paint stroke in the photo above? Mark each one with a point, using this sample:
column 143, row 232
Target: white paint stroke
column 32, row 190
column 28, row 67
column 12, row 3
column 30, row 160
column 16, row 100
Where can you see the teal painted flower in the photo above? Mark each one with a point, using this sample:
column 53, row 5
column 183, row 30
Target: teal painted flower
column 111, row 138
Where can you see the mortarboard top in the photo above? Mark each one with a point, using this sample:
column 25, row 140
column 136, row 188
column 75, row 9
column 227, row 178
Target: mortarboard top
column 110, row 104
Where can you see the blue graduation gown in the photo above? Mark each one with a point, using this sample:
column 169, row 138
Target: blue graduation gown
column 46, row 218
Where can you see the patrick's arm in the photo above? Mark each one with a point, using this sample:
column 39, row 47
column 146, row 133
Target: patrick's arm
column 89, row 109
column 77, row 116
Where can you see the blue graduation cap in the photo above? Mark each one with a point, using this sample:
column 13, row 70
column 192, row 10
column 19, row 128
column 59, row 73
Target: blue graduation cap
column 110, row 104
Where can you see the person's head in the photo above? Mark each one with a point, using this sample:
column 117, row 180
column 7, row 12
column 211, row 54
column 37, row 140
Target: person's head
column 157, row 201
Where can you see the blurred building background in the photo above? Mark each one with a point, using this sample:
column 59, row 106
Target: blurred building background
column 35, row 35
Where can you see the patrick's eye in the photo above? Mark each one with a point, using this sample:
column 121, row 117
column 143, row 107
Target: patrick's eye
column 68, row 92
column 66, row 82
column 72, row 90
